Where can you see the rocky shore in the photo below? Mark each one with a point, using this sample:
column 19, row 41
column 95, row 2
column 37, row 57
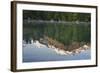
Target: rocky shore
column 59, row 48
column 64, row 52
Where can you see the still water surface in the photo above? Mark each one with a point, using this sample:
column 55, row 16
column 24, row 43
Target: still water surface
column 31, row 53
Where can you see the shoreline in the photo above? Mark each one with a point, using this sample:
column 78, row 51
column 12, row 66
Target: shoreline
column 64, row 52
column 59, row 50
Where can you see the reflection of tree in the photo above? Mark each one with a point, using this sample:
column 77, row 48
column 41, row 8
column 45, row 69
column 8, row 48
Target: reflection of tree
column 66, row 34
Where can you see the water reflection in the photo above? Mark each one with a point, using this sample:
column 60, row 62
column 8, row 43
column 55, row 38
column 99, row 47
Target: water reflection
column 37, row 52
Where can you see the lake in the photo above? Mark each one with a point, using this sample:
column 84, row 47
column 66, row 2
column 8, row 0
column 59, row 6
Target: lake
column 31, row 53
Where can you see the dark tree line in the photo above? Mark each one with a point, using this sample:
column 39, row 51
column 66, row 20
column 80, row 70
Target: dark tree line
column 64, row 16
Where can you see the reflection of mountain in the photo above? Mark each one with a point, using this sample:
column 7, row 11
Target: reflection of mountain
column 57, row 46
column 63, row 36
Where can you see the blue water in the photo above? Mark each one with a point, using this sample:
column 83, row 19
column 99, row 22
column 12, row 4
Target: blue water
column 33, row 54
